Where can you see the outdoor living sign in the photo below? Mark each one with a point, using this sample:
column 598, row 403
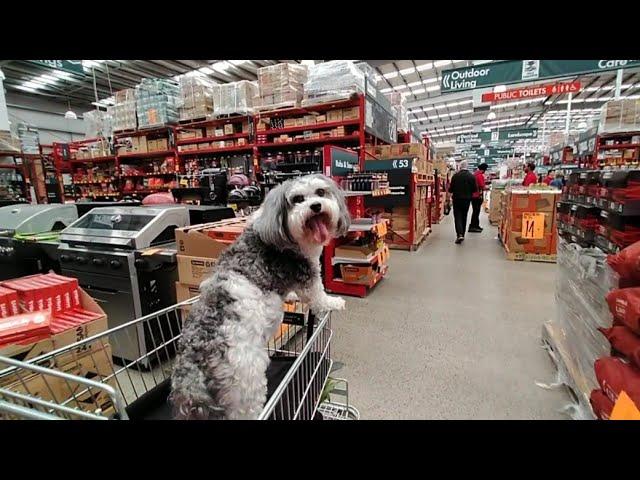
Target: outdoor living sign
column 497, row 135
column 515, row 71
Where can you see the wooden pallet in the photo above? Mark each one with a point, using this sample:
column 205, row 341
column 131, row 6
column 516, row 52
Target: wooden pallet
column 531, row 257
column 575, row 384
column 411, row 247
column 232, row 116
column 124, row 131
column 193, row 120
column 277, row 106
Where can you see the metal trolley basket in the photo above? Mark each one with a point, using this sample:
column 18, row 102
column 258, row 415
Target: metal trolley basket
column 84, row 381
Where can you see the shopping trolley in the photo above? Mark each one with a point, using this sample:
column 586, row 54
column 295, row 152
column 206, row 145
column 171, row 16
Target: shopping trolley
column 84, row 381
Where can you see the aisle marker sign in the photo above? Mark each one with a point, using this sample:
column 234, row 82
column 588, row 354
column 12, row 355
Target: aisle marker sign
column 533, row 226
column 71, row 66
column 532, row 92
column 516, row 71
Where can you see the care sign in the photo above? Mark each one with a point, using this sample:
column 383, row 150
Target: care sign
column 71, row 66
column 516, row 71
column 533, row 226
column 532, row 92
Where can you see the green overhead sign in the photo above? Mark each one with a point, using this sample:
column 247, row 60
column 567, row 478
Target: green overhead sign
column 497, row 135
column 343, row 162
column 493, row 152
column 516, row 71
column 71, row 66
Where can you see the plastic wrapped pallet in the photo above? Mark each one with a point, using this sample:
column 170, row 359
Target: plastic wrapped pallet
column 398, row 105
column 156, row 102
column 196, row 98
column 9, row 143
column 98, row 123
column 29, row 139
column 334, row 80
column 583, row 280
column 234, row 98
column 281, row 85
column 620, row 116
column 124, row 110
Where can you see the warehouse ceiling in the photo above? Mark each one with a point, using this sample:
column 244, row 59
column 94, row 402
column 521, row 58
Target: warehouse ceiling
column 442, row 116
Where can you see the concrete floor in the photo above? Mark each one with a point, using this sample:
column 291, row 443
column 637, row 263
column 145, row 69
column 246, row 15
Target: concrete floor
column 452, row 332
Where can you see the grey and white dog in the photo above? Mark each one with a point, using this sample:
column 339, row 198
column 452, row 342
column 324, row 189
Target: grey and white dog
column 220, row 371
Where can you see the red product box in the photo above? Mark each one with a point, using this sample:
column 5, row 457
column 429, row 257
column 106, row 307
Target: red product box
column 45, row 290
column 21, row 327
column 26, row 294
column 71, row 285
column 8, row 302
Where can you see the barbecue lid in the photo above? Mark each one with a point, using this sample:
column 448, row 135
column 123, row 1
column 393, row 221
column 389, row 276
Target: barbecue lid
column 35, row 219
column 127, row 227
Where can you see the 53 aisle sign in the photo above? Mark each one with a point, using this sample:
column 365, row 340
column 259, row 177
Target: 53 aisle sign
column 516, row 71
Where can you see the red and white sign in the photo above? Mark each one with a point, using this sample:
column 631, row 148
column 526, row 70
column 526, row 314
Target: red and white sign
column 532, row 92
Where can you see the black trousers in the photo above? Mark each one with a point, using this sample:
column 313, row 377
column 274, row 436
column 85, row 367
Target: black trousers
column 460, row 212
column 476, row 206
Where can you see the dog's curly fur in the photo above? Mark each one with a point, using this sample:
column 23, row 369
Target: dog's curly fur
column 220, row 372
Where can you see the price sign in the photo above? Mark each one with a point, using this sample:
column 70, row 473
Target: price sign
column 625, row 409
column 533, row 226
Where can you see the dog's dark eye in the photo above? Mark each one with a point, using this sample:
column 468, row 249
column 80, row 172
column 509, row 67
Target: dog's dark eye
column 320, row 192
column 297, row 199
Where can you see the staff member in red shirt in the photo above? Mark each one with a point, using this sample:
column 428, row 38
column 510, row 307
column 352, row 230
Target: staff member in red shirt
column 549, row 178
column 478, row 198
column 530, row 178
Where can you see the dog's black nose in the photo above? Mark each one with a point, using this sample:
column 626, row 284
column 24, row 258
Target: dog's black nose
column 316, row 207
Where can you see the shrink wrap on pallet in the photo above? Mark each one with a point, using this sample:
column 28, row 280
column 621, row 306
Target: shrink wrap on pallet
column 333, row 80
column 124, row 110
column 156, row 102
column 281, row 85
column 196, row 97
column 234, row 98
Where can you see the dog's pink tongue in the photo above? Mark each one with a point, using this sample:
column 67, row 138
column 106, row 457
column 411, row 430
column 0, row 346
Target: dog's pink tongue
column 318, row 229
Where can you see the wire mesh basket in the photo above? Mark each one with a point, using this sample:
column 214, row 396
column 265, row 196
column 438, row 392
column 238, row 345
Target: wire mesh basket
column 84, row 381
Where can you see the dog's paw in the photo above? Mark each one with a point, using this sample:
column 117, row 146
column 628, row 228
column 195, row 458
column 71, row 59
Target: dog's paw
column 334, row 303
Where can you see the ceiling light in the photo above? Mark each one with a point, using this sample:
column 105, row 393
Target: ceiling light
column 32, row 85
column 393, row 74
column 242, row 62
column 206, row 70
column 418, row 91
column 424, row 66
column 70, row 115
column 499, row 89
column 407, row 71
column 27, row 89
column 441, row 63
column 491, row 116
column 433, row 88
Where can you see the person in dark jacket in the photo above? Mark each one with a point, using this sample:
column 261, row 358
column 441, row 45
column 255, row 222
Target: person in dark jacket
column 462, row 188
column 478, row 198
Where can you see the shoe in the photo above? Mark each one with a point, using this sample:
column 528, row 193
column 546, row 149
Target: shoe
column 459, row 240
column 475, row 229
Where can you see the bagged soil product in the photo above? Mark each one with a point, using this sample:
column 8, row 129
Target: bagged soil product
column 614, row 376
column 601, row 405
column 626, row 263
column 625, row 342
column 624, row 305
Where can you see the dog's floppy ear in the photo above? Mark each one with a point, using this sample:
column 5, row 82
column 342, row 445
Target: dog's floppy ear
column 344, row 219
column 270, row 222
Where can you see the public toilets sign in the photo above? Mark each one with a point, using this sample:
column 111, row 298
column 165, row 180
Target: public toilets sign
column 516, row 71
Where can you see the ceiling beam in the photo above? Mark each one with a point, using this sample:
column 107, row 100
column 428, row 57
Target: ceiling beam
column 449, row 97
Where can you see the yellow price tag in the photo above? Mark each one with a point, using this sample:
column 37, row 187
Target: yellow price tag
column 533, row 226
column 625, row 409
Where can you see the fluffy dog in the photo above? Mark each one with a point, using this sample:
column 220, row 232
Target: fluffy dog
column 220, row 372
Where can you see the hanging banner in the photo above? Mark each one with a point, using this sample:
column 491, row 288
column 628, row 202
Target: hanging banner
column 516, row 71
column 71, row 66
column 532, row 92
column 496, row 135
column 533, row 226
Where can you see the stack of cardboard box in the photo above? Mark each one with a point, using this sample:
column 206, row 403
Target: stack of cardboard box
column 281, row 85
column 518, row 204
column 124, row 110
column 70, row 316
column 620, row 116
column 196, row 98
column 235, row 98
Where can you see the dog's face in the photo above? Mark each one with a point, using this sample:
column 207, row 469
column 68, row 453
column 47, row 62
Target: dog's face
column 307, row 211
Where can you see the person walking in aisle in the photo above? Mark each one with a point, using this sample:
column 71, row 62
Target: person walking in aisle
column 549, row 178
column 478, row 198
column 558, row 182
column 530, row 178
column 462, row 187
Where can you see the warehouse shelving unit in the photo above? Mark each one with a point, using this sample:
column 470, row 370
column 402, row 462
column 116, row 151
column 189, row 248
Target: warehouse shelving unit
column 19, row 166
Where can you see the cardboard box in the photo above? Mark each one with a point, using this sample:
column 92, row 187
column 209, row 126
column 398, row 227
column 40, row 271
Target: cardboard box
column 352, row 113
column 526, row 201
column 321, row 118
column 193, row 270
column 218, row 132
column 228, row 129
column 289, row 122
column 203, row 146
column 189, row 133
column 514, row 243
column 185, row 292
column 162, row 144
column 334, row 115
column 152, row 145
column 194, row 240
column 358, row 274
column 354, row 251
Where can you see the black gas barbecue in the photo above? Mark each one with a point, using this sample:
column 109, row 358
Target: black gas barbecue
column 125, row 258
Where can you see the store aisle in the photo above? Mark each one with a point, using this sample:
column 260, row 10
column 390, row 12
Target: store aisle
column 453, row 332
